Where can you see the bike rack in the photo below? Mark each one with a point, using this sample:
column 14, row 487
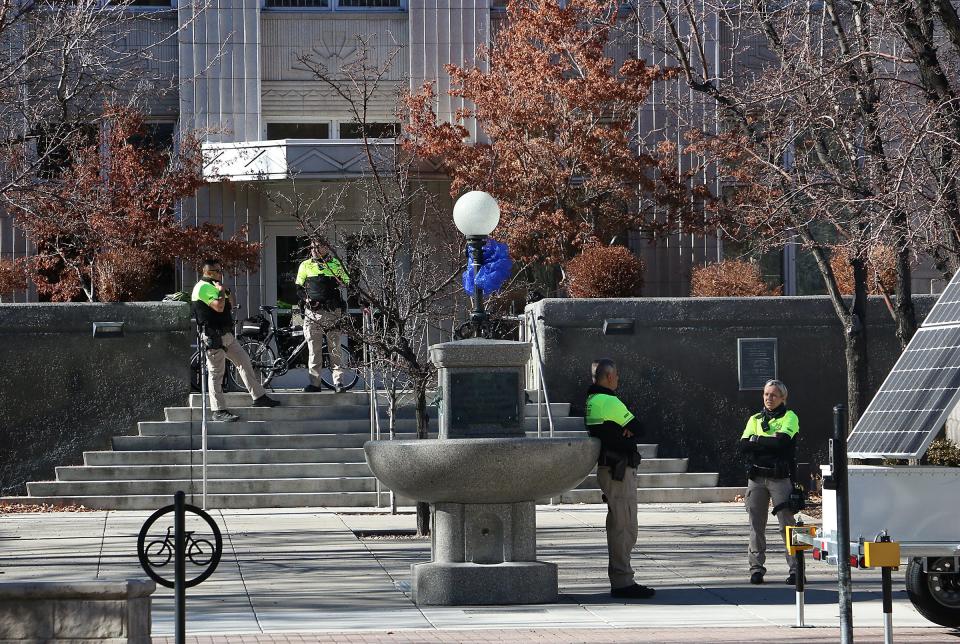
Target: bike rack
column 180, row 582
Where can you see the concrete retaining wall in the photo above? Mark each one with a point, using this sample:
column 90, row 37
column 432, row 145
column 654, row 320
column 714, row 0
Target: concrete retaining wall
column 62, row 391
column 101, row 611
column 678, row 371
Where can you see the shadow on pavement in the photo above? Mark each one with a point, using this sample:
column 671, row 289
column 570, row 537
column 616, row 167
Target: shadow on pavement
column 723, row 595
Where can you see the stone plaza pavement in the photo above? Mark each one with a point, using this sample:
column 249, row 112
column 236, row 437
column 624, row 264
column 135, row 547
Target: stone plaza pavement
column 302, row 575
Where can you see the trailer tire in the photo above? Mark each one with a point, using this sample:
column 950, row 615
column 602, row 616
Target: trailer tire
column 935, row 596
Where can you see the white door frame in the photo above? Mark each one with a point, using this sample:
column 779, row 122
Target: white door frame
column 272, row 230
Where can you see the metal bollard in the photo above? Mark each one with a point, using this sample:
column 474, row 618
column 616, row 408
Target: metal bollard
column 800, row 588
column 887, row 583
column 844, row 581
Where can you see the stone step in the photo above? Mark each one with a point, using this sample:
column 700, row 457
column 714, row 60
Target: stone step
column 352, row 398
column 343, row 412
column 229, row 456
column 570, row 425
column 214, row 486
column 225, row 442
column 663, row 495
column 321, row 412
column 224, row 501
column 217, row 471
column 277, row 470
column 646, row 479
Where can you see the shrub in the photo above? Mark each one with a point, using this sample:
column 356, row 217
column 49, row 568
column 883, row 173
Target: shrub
column 605, row 271
column 944, row 452
column 729, row 278
column 881, row 270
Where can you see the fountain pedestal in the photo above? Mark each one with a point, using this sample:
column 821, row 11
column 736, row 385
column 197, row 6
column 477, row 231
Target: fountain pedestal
column 484, row 553
column 482, row 478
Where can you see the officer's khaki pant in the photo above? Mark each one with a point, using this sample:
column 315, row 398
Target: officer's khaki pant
column 621, row 523
column 217, row 367
column 315, row 325
column 760, row 491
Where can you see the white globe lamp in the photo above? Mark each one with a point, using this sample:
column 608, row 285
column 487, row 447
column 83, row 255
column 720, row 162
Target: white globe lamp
column 476, row 214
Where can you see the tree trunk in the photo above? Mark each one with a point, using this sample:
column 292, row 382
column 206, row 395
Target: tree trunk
column 904, row 313
column 855, row 337
column 423, row 427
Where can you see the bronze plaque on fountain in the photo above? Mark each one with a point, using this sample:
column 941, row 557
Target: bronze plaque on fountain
column 485, row 399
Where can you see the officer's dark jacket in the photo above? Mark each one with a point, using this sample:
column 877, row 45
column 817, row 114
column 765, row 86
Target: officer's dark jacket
column 210, row 319
column 775, row 443
column 606, row 417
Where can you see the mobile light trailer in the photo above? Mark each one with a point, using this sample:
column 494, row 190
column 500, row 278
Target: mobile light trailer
column 900, row 513
column 919, row 509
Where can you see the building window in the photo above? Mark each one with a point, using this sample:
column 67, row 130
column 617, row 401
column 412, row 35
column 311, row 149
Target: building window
column 150, row 3
column 335, row 4
column 298, row 4
column 155, row 136
column 369, row 4
column 276, row 131
column 373, row 130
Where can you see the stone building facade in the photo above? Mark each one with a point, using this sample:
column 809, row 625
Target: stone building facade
column 271, row 125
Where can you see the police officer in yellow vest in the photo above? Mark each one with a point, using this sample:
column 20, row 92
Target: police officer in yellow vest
column 768, row 442
column 213, row 307
column 318, row 284
column 608, row 419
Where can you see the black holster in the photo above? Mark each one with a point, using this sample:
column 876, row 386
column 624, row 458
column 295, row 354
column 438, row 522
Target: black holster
column 795, row 502
column 618, row 463
column 212, row 338
column 778, row 471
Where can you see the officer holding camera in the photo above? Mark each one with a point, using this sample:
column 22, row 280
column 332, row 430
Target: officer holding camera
column 608, row 419
column 768, row 443
column 213, row 307
column 318, row 284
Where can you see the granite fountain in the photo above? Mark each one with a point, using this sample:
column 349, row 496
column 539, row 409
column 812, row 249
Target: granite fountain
column 482, row 478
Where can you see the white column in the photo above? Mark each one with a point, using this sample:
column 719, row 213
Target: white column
column 444, row 32
column 219, row 47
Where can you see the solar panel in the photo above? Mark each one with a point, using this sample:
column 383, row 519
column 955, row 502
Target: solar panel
column 915, row 399
column 947, row 308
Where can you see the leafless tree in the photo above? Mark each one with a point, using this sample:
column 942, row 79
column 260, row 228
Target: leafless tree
column 401, row 252
column 62, row 62
column 821, row 128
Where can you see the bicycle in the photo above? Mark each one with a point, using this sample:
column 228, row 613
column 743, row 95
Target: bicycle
column 195, row 364
column 195, row 385
column 291, row 345
column 198, row 551
column 501, row 327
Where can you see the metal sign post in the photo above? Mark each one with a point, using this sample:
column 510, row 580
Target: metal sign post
column 179, row 569
column 203, row 421
column 181, row 546
column 839, row 475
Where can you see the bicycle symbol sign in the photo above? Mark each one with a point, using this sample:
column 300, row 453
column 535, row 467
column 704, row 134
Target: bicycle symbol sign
column 198, row 551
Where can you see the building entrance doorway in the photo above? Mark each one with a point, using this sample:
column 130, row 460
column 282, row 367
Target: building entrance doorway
column 284, row 247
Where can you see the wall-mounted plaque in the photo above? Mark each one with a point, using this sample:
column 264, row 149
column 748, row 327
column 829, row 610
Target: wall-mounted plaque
column 484, row 398
column 756, row 362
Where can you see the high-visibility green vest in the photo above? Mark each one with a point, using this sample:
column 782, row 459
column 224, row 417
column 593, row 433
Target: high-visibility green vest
column 787, row 424
column 604, row 407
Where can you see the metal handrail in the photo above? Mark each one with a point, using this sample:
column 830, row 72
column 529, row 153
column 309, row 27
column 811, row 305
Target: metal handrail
column 542, row 395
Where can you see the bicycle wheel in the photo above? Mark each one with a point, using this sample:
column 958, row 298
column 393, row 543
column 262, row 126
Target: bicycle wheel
column 200, row 552
column 349, row 364
column 262, row 358
column 195, row 384
column 159, row 556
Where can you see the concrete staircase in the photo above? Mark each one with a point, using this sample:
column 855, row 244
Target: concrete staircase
column 308, row 452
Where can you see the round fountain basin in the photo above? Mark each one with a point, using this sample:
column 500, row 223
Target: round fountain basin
column 482, row 470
